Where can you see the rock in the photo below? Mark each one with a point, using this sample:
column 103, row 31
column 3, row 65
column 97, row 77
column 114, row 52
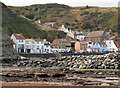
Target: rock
column 100, row 73
column 105, row 84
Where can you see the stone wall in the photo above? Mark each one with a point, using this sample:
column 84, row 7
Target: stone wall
column 106, row 61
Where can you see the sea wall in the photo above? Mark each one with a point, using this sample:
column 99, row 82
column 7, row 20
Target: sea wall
column 106, row 61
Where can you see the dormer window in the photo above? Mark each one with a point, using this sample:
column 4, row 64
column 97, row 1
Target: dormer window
column 18, row 36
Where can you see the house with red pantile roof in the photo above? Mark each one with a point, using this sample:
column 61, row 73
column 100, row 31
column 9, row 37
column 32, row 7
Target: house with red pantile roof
column 19, row 42
column 62, row 44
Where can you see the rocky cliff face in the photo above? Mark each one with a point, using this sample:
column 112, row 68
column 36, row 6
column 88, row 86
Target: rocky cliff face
column 6, row 47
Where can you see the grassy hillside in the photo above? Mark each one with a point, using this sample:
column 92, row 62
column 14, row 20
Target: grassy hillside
column 80, row 18
column 13, row 23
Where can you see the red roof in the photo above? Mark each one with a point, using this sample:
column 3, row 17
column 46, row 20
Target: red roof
column 75, row 34
column 18, row 36
column 107, row 37
column 59, row 27
column 101, row 43
column 117, row 43
column 50, row 23
column 39, row 40
column 29, row 40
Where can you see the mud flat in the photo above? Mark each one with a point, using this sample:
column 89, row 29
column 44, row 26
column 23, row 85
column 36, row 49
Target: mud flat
column 59, row 77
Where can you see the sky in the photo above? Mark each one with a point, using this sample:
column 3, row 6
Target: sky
column 73, row 3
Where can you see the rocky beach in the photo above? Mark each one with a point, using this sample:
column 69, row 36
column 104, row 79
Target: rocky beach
column 75, row 70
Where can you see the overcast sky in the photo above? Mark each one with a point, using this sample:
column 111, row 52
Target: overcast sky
column 100, row 3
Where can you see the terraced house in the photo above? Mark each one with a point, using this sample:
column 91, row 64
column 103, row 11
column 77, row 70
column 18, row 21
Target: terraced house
column 23, row 45
column 30, row 46
column 42, row 46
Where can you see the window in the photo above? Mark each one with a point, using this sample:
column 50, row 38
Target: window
column 32, row 42
column 26, row 46
column 27, row 41
column 18, row 36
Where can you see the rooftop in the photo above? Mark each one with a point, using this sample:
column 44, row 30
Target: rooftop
column 18, row 36
column 50, row 23
column 117, row 43
column 39, row 40
column 95, row 34
column 29, row 40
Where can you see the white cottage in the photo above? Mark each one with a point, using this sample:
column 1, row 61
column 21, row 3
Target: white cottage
column 42, row 46
column 18, row 42
column 111, row 45
column 30, row 46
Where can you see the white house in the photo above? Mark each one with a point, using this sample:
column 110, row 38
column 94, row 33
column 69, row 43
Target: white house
column 42, row 46
column 64, row 29
column 111, row 45
column 47, row 47
column 30, row 46
column 80, row 35
column 71, row 34
column 18, row 42
column 89, row 46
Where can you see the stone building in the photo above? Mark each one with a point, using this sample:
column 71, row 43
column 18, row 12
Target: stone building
column 62, row 44
column 95, row 36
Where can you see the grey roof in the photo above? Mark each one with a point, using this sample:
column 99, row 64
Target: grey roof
column 95, row 34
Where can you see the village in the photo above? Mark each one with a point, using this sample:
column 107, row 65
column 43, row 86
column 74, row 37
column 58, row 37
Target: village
column 75, row 42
